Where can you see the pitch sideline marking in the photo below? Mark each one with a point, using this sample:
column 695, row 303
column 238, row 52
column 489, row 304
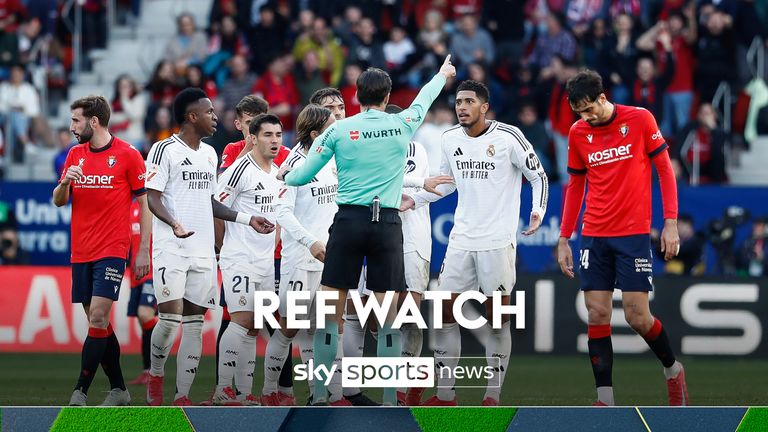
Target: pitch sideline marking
column 742, row 418
column 642, row 419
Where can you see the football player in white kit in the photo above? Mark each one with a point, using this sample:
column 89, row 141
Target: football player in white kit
column 180, row 180
column 487, row 159
column 247, row 257
column 305, row 213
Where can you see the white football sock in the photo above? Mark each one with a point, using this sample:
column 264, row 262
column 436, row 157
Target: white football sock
column 497, row 352
column 229, row 353
column 246, row 364
column 274, row 359
column 163, row 336
column 188, row 357
column 447, row 348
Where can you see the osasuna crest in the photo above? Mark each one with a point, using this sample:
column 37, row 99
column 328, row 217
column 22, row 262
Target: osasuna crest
column 624, row 130
column 111, row 161
column 491, row 150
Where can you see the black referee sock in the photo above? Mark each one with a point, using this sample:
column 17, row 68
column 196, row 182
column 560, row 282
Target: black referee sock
column 657, row 339
column 93, row 350
column 111, row 361
column 601, row 354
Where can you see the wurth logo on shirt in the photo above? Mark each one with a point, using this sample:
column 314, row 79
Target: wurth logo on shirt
column 354, row 135
column 610, row 155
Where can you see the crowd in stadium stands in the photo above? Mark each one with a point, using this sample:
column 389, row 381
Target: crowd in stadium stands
column 669, row 56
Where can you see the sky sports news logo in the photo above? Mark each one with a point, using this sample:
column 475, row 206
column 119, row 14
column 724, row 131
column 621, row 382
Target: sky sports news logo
column 416, row 372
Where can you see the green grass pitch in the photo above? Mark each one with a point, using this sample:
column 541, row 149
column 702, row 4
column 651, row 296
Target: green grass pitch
column 756, row 420
column 130, row 419
column 463, row 419
column 544, row 380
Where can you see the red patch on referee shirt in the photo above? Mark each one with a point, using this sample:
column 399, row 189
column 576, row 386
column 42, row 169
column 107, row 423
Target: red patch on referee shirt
column 354, row 135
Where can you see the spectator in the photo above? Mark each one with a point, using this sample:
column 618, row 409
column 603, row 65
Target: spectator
column 195, row 78
column 707, row 143
column 560, row 115
column 620, row 59
column 94, row 26
column 752, row 256
column 471, row 43
column 163, row 84
column 432, row 32
column 188, row 46
column 366, row 48
column 11, row 13
column 308, row 77
column 9, row 53
column 535, row 132
column 478, row 71
column 348, row 91
column 160, row 128
column 716, row 54
column 19, row 105
column 267, row 39
column 595, row 43
column 10, row 250
column 439, row 119
column 398, row 48
column 345, row 28
column 222, row 46
column 556, row 41
column 65, row 141
column 649, row 88
column 278, row 88
column 330, row 55
column 239, row 82
column 581, row 13
column 688, row 260
column 505, row 21
column 129, row 107
column 29, row 37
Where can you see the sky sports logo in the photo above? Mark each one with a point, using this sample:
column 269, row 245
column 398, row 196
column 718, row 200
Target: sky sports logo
column 416, row 372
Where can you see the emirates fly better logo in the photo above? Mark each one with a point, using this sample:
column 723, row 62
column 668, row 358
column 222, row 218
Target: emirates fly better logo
column 354, row 135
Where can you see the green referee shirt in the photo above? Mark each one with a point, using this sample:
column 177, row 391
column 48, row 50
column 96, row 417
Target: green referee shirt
column 370, row 150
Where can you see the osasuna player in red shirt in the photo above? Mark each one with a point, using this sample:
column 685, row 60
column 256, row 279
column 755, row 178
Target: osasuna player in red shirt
column 102, row 174
column 612, row 148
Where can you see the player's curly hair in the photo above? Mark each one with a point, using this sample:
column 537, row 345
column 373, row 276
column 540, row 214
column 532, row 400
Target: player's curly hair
column 251, row 105
column 260, row 119
column 480, row 89
column 312, row 118
column 328, row 92
column 94, row 106
column 584, row 86
column 183, row 100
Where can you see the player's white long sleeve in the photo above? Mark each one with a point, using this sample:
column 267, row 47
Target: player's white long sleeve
column 411, row 181
column 288, row 221
column 540, row 185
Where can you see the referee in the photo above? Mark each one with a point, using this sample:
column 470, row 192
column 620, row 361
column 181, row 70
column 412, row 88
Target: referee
column 370, row 150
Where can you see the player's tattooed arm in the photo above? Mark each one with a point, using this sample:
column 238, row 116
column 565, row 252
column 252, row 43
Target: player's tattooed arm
column 258, row 223
column 156, row 206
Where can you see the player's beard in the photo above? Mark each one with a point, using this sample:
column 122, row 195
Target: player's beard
column 86, row 135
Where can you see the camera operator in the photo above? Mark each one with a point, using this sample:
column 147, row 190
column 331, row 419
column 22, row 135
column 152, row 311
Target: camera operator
column 752, row 256
column 688, row 260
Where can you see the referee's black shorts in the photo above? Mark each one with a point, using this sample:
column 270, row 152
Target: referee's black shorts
column 353, row 237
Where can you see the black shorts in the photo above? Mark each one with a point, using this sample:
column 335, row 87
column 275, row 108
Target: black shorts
column 141, row 295
column 624, row 262
column 354, row 237
column 100, row 278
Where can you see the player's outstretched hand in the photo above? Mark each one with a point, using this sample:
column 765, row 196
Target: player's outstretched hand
column 73, row 173
column 180, row 232
column 284, row 170
column 431, row 183
column 318, row 250
column 565, row 257
column 534, row 224
column 407, row 203
column 261, row 225
column 670, row 240
column 447, row 68
column 141, row 265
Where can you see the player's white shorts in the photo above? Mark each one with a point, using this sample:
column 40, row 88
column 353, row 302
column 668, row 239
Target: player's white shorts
column 491, row 270
column 416, row 275
column 240, row 282
column 191, row 278
column 300, row 280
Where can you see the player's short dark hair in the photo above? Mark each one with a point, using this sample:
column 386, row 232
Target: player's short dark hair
column 584, row 86
column 480, row 89
column 393, row 109
column 320, row 95
column 373, row 86
column 94, row 106
column 260, row 119
column 311, row 118
column 251, row 105
column 183, row 100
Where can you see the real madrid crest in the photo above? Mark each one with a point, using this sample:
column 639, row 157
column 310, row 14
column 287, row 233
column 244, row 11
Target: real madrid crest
column 111, row 161
column 491, row 150
column 624, row 130
column 243, row 301
column 166, row 292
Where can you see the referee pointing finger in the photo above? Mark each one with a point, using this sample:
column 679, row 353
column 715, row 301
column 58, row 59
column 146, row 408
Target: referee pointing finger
column 370, row 149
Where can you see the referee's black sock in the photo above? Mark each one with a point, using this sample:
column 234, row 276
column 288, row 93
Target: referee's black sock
column 111, row 361
column 657, row 339
column 93, row 350
column 601, row 354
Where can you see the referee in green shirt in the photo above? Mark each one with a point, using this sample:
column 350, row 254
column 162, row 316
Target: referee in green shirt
column 370, row 151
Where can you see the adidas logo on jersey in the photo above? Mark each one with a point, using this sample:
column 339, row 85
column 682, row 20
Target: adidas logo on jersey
column 458, row 152
column 259, row 186
column 186, row 162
